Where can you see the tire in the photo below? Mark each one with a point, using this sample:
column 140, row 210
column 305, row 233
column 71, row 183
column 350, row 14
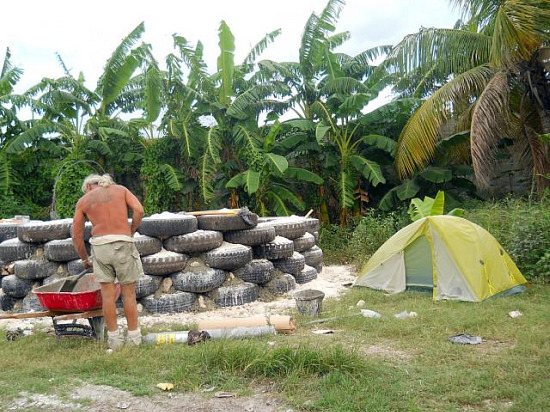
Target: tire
column 258, row 271
column 313, row 256
column 167, row 224
column 312, row 225
column 291, row 227
column 147, row 285
column 198, row 278
column 281, row 283
column 147, row 245
column 41, row 232
column 62, row 250
column 164, row 263
column 87, row 231
column 262, row 233
column 74, row 267
column 235, row 295
column 224, row 223
column 307, row 275
column 228, row 256
column 279, row 248
column 6, row 301
column 32, row 304
column 13, row 249
column 304, row 242
column 293, row 264
column 16, row 287
column 197, row 242
column 34, row 269
column 169, row 302
column 8, row 231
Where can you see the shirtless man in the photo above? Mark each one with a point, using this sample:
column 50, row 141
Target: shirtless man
column 115, row 255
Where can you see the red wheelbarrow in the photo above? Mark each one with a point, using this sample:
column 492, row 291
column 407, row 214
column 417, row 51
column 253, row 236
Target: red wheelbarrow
column 83, row 302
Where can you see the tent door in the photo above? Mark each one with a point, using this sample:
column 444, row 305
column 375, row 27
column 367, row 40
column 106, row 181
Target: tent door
column 418, row 264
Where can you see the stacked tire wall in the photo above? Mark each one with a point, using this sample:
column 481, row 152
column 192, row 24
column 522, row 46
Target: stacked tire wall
column 190, row 262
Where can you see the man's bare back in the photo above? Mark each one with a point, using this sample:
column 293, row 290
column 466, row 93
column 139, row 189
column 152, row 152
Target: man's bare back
column 107, row 209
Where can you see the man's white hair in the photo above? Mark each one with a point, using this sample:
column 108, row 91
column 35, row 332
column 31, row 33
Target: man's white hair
column 106, row 180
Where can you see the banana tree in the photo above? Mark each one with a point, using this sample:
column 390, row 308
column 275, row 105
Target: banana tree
column 269, row 178
column 212, row 109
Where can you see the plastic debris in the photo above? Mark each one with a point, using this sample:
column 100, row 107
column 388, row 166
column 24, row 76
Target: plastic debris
column 165, row 386
column 405, row 314
column 515, row 314
column 370, row 313
column 361, row 303
column 224, row 395
column 466, row 339
column 323, row 331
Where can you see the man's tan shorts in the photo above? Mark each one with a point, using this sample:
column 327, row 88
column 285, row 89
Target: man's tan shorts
column 117, row 260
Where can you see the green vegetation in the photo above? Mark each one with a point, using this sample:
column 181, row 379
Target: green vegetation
column 521, row 226
column 183, row 137
column 367, row 364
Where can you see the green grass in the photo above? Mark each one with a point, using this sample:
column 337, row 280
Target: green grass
column 384, row 364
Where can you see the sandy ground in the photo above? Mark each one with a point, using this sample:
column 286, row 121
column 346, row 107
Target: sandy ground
column 333, row 281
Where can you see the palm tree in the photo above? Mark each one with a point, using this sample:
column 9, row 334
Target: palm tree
column 496, row 83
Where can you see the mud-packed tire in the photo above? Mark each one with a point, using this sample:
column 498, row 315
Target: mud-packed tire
column 147, row 285
column 8, row 230
column 87, row 231
column 307, row 241
column 34, row 269
column 16, row 287
column 262, row 233
column 32, row 304
column 62, row 250
column 13, row 249
column 278, row 248
column 198, row 278
column 281, row 283
column 196, row 242
column 258, row 271
column 169, row 303
column 41, row 232
column 291, row 227
column 312, row 225
column 163, row 263
column 167, row 224
column 228, row 256
column 224, row 223
column 235, row 295
column 6, row 301
column 313, row 256
column 147, row 245
column 293, row 264
column 74, row 267
column 306, row 275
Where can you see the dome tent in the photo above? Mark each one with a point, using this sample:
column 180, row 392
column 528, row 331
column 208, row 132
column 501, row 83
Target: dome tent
column 454, row 257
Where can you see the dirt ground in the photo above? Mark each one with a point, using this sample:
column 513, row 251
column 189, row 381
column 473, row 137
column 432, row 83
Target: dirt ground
column 333, row 281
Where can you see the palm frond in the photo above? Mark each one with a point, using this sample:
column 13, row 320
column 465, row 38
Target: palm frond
column 418, row 140
column 171, row 177
column 490, row 122
column 31, row 135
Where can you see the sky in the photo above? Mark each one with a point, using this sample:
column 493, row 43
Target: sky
column 86, row 33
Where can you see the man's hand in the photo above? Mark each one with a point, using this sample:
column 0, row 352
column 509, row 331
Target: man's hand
column 87, row 263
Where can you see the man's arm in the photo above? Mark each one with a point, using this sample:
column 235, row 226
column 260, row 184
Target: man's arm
column 137, row 210
column 79, row 220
